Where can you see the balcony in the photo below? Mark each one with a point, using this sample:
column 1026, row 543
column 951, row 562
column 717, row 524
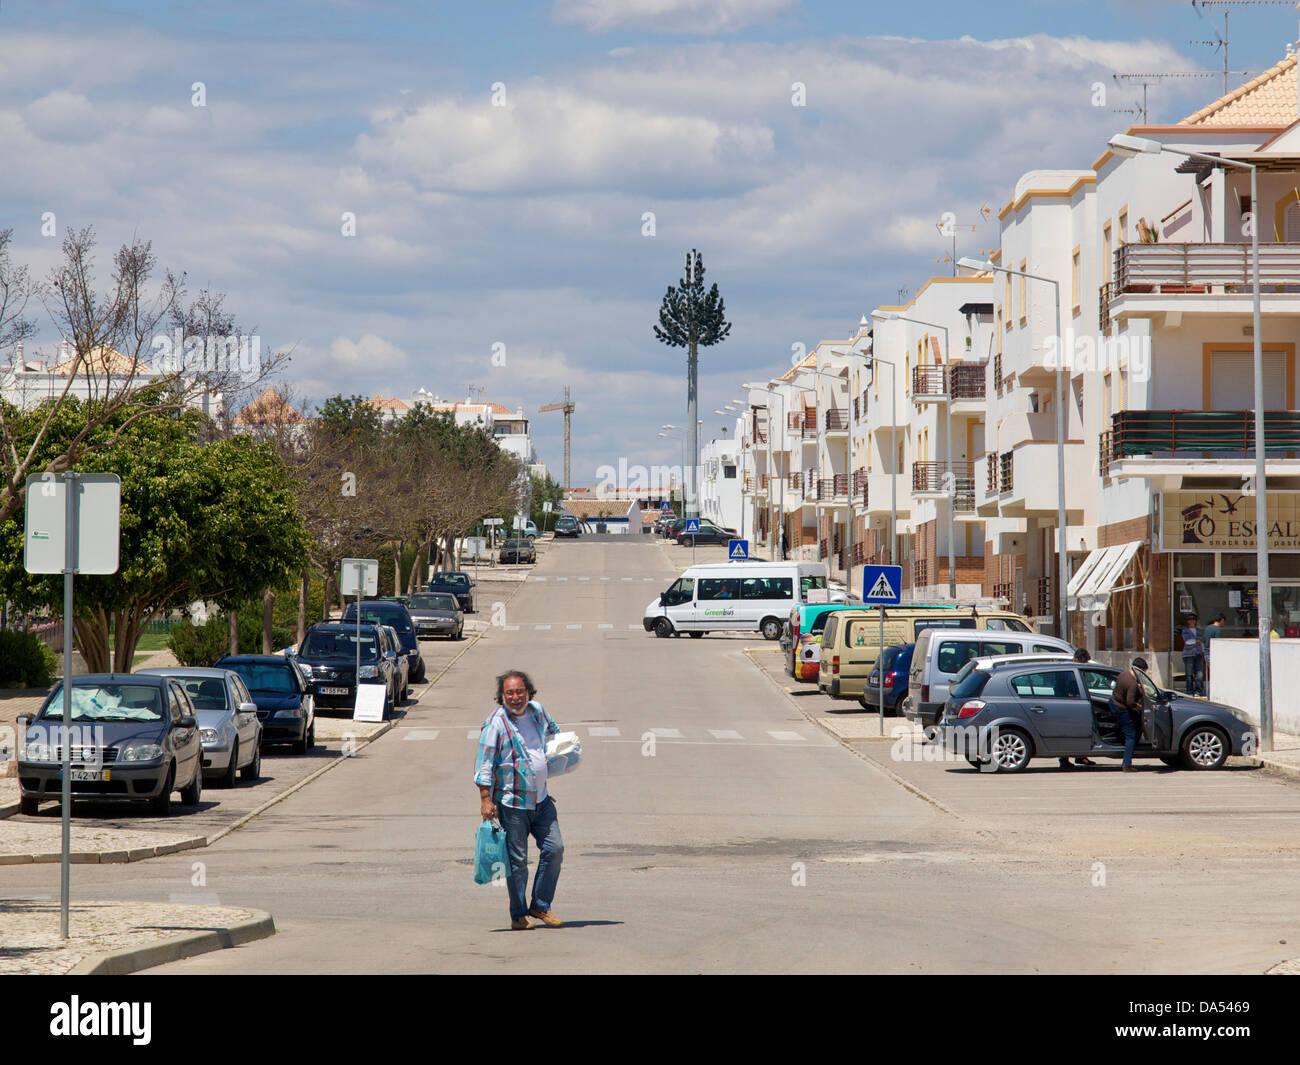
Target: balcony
column 920, row 572
column 810, row 423
column 860, row 486
column 931, row 480
column 829, row 488
column 810, row 486
column 837, row 420
column 997, row 370
column 1204, row 270
column 795, row 482
column 1173, row 435
column 992, row 488
column 1046, row 607
column 967, row 380
column 929, row 383
column 1007, row 473
column 961, row 380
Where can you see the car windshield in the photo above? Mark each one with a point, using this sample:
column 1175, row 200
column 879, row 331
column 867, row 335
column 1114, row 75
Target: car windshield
column 433, row 602
column 371, row 615
column 970, row 685
column 332, row 643
column 807, row 584
column 206, row 693
column 452, row 580
column 109, row 702
column 263, row 676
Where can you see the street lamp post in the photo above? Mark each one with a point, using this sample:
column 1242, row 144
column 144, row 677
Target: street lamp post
column 848, row 570
column 1123, row 144
column 872, row 359
column 772, row 546
column 950, row 486
column 1062, row 579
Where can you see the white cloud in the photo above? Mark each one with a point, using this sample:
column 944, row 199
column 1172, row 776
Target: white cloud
column 669, row 16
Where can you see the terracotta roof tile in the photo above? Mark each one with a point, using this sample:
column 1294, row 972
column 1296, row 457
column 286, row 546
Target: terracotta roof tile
column 1268, row 100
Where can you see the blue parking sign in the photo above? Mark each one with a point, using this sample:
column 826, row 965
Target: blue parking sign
column 738, row 550
column 882, row 584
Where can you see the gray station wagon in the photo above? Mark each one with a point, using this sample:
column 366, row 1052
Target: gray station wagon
column 1002, row 713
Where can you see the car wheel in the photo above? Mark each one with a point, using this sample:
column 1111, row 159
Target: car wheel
column 192, row 794
column 1012, row 750
column 29, row 804
column 1205, row 747
column 299, row 746
column 228, row 777
column 663, row 628
column 161, row 805
column 253, row 771
column 697, row 635
column 423, row 671
column 771, row 629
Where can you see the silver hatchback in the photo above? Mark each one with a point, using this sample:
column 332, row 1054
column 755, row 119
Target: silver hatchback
column 228, row 725
column 1001, row 714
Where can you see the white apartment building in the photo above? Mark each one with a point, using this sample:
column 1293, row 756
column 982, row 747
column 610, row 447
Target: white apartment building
column 720, row 484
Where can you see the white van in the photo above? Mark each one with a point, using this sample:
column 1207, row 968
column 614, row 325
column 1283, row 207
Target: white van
column 736, row 597
column 940, row 653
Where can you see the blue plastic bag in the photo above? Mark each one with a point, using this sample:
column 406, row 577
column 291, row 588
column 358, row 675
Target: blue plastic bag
column 491, row 862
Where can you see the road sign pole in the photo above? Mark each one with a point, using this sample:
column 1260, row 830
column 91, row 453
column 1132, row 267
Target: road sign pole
column 360, row 583
column 880, row 669
column 69, row 567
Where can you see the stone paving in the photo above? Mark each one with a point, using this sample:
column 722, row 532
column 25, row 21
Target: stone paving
column 32, row 945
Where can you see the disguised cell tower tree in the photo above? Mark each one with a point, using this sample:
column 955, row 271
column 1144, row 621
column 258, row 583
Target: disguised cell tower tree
column 691, row 318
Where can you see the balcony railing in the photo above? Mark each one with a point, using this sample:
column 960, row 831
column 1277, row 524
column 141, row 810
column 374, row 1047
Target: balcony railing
column 749, row 482
column 992, row 488
column 1201, row 268
column 836, row 419
column 833, row 487
column 794, row 420
column 1003, row 590
column 795, row 481
column 1046, row 608
column 932, row 477
column 929, row 381
column 997, row 370
column 1155, row 432
column 920, row 572
column 967, row 380
column 1007, row 471
column 960, row 380
column 860, row 480
column 810, row 423
column 810, row 486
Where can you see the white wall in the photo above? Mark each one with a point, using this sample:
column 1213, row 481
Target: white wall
column 1234, row 679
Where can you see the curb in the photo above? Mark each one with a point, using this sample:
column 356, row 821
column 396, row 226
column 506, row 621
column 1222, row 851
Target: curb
column 132, row 959
column 1280, row 769
column 116, row 857
column 907, row 786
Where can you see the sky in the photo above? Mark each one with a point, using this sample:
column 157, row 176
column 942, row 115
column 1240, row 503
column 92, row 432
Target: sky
column 500, row 160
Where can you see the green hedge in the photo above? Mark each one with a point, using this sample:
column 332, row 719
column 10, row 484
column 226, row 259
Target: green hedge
column 201, row 645
column 25, row 660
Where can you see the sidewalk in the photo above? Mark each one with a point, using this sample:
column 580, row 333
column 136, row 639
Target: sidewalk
column 115, row 938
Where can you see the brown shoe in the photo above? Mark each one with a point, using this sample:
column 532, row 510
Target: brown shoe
column 520, row 924
column 546, row 917
column 1084, row 761
column 1126, row 769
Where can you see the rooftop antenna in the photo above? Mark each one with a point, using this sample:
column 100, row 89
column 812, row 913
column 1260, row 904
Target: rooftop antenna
column 948, row 226
column 1147, row 79
column 902, row 294
column 1222, row 42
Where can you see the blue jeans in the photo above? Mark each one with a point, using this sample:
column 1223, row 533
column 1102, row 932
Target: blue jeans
column 1128, row 726
column 544, row 826
column 1194, row 670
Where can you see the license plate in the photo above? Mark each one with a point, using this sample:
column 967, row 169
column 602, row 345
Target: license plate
column 90, row 774
column 335, row 691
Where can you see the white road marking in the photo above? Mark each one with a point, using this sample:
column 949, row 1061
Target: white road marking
column 604, row 578
column 561, row 578
column 473, row 733
column 603, row 730
column 420, row 734
column 584, row 578
column 634, row 627
column 667, row 733
column 786, row 737
column 604, row 626
column 725, row 734
column 573, row 626
column 541, row 628
column 625, row 578
column 195, row 898
column 511, row 628
column 539, row 578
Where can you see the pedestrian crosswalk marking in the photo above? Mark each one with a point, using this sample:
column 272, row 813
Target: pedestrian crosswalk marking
column 634, row 627
column 604, row 626
column 625, row 578
column 584, row 578
column 473, row 734
column 785, row 737
column 603, row 730
column 573, row 626
column 539, row 578
column 604, row 578
column 421, row 734
column 667, row 733
column 725, row 734
column 561, row 578
column 541, row 628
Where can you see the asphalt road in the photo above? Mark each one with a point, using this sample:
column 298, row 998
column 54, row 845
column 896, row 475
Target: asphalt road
column 713, row 828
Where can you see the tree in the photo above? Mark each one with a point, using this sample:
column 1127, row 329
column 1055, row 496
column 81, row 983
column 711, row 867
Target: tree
column 214, row 522
column 545, row 490
column 691, row 318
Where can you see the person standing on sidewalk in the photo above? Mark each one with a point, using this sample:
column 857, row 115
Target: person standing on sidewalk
column 511, row 778
column 1125, row 704
column 1193, row 656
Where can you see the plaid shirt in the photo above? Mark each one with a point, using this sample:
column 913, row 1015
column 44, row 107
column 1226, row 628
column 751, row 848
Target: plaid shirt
column 502, row 762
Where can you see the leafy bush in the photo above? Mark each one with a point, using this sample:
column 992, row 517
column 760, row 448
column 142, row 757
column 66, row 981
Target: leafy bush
column 201, row 645
column 24, row 659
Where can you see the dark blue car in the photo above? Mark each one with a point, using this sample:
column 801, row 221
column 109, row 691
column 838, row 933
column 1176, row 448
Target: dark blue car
column 897, row 662
column 285, row 705
column 381, row 612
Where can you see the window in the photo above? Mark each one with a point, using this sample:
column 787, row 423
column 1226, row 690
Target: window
column 921, row 624
column 176, row 701
column 728, row 473
column 1099, row 682
column 970, row 686
column 1056, row 684
column 1076, row 281
column 719, row 588
column 682, row 591
column 1045, row 649
column 953, row 654
column 1024, row 292
column 766, row 588
column 989, row 647
column 1106, row 257
column 1122, row 235
column 807, row 584
column 1006, row 625
column 1006, row 301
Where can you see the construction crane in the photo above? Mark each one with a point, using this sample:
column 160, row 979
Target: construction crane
column 567, row 407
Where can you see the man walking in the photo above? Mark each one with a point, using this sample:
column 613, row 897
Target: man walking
column 1193, row 657
column 1125, row 704
column 1080, row 656
column 511, row 779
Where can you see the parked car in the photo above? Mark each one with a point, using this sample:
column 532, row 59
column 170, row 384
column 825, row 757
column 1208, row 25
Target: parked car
column 329, row 650
column 437, row 614
column 229, row 728
column 709, row 533
column 403, row 665
column 567, row 525
column 518, row 551
column 396, row 616
column 895, row 661
column 455, row 583
column 801, row 637
column 669, row 528
column 1004, row 712
column 941, row 652
column 281, row 688
column 530, row 530
column 134, row 738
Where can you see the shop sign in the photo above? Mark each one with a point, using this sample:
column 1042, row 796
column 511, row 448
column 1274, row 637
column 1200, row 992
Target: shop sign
column 1225, row 521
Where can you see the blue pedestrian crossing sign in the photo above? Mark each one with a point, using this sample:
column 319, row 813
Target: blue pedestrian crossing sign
column 665, row 505
column 692, row 525
column 738, row 550
column 882, row 584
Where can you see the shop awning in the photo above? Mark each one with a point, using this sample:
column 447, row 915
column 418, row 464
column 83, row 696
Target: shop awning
column 1091, row 587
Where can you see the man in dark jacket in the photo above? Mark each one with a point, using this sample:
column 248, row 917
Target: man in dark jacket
column 1080, row 656
column 1126, row 705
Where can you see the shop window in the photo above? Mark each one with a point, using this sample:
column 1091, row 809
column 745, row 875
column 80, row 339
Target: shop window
column 1195, row 565
column 1284, row 565
column 1237, row 565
